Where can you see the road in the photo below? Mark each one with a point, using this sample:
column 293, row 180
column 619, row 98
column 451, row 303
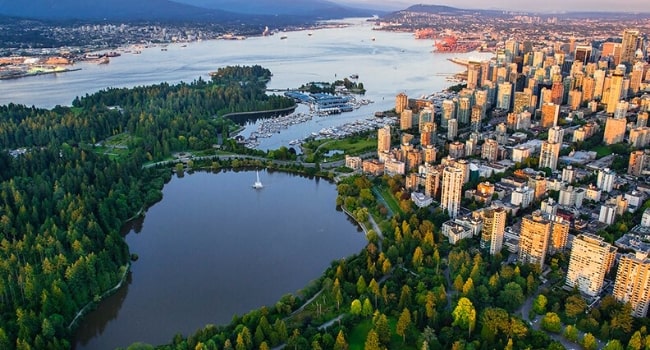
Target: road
column 233, row 156
column 536, row 323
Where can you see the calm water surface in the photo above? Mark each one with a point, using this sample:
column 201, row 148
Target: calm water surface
column 387, row 65
column 215, row 247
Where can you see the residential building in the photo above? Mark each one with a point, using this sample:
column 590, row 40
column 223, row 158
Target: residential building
column 632, row 283
column 591, row 258
column 522, row 196
column 383, row 140
column 549, row 155
column 534, row 238
column 607, row 213
column 490, row 150
column 550, row 113
column 605, row 180
column 614, row 130
column 406, row 119
column 494, row 225
column 559, row 235
column 452, row 186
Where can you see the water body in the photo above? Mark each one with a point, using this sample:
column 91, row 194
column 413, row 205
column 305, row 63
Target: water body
column 215, row 247
column 389, row 64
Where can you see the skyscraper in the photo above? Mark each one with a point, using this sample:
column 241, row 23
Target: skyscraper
column 490, row 150
column 583, row 53
column 452, row 128
column 550, row 113
column 556, row 134
column 605, row 180
column 477, row 118
column 549, row 154
column 448, row 112
column 406, row 119
column 494, row 226
column 464, row 110
column 401, row 102
column 534, row 238
column 504, row 96
column 425, row 116
column 614, row 130
column 559, row 235
column 473, row 73
column 452, row 187
column 591, row 259
column 629, row 46
column 615, row 88
column 633, row 282
column 522, row 101
column 383, row 140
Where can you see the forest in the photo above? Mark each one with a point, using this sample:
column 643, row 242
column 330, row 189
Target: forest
column 410, row 289
column 62, row 203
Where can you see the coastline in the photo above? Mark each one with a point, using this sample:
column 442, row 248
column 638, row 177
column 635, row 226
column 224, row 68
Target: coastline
column 28, row 74
column 84, row 310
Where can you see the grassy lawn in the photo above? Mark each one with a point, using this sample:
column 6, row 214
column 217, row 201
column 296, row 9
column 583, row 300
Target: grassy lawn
column 602, row 150
column 389, row 199
column 328, row 311
column 357, row 337
column 115, row 146
column 352, row 146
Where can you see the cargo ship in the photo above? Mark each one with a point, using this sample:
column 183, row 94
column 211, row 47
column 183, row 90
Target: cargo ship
column 425, row 33
column 450, row 44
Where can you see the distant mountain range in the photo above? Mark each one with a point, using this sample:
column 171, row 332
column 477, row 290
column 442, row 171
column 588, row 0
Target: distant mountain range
column 306, row 8
column 178, row 10
column 453, row 11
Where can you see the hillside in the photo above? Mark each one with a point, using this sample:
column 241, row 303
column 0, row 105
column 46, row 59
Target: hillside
column 109, row 10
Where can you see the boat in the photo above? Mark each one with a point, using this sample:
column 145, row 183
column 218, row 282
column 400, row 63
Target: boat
column 258, row 184
column 310, row 33
column 283, row 37
column 354, row 76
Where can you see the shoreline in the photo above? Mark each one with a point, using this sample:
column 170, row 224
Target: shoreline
column 27, row 74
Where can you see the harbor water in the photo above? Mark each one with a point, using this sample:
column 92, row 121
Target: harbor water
column 387, row 63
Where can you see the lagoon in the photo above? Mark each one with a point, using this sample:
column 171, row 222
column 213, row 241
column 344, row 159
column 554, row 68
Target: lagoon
column 214, row 247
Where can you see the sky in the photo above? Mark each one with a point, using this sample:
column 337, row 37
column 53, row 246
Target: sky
column 527, row 5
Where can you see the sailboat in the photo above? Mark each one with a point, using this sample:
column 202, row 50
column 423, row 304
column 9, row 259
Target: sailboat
column 258, row 184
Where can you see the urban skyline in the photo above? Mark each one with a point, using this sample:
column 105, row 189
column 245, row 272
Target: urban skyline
column 552, row 6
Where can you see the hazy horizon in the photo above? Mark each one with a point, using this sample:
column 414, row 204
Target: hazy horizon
column 556, row 6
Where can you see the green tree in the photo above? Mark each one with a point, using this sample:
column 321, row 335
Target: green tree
column 465, row 315
column 589, row 342
column 636, row 341
column 430, row 305
column 361, row 285
column 613, row 344
column 571, row 333
column 380, row 325
column 417, row 257
column 341, row 343
column 458, row 283
column 374, row 289
column 403, row 323
column 367, row 309
column 511, row 297
column 574, row 305
column 372, row 341
column 539, row 304
column 355, row 307
column 551, row 322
